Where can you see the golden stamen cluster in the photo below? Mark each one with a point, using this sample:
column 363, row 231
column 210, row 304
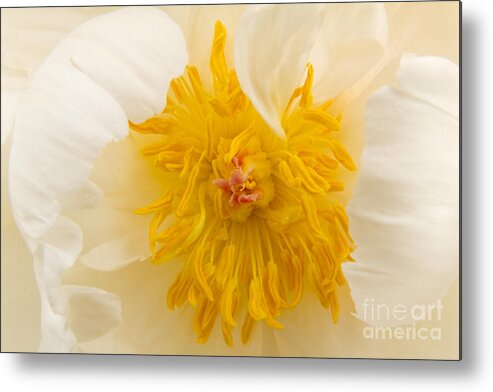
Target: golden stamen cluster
column 249, row 213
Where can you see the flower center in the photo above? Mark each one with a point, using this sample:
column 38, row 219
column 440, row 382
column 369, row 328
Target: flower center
column 250, row 214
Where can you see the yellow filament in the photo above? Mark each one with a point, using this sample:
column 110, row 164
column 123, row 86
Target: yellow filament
column 155, row 125
column 219, row 68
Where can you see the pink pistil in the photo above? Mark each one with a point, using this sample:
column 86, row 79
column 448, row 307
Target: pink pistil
column 243, row 199
column 222, row 183
column 237, row 177
column 239, row 195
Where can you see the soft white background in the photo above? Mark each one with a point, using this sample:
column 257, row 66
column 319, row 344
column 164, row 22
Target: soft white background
column 473, row 373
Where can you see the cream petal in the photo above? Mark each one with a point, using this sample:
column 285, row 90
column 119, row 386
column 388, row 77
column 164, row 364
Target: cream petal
column 127, row 178
column 197, row 24
column 28, row 36
column 269, row 72
column 349, row 44
column 69, row 313
column 404, row 214
column 342, row 41
column 431, row 80
column 74, row 107
column 91, row 313
column 114, row 236
column 49, row 263
column 137, row 57
column 121, row 238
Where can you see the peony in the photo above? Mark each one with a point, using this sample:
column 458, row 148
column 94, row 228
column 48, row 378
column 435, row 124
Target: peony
column 184, row 181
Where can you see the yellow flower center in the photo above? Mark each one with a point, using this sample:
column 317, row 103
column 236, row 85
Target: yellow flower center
column 249, row 213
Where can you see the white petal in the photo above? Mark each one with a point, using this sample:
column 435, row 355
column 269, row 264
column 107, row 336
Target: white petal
column 69, row 313
column 49, row 264
column 431, row 80
column 115, row 67
column 404, row 214
column 135, row 59
column 342, row 41
column 271, row 52
column 63, row 124
column 121, row 238
column 350, row 42
column 30, row 34
column 91, row 313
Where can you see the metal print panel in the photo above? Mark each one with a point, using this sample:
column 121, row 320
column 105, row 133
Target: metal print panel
column 235, row 180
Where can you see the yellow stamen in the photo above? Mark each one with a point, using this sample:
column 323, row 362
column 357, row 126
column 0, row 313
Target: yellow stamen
column 342, row 155
column 306, row 93
column 323, row 118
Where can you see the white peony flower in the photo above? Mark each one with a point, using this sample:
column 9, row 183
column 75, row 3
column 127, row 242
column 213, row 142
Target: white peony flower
column 246, row 127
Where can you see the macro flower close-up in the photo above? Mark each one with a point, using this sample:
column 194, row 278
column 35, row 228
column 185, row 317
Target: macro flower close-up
column 258, row 180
